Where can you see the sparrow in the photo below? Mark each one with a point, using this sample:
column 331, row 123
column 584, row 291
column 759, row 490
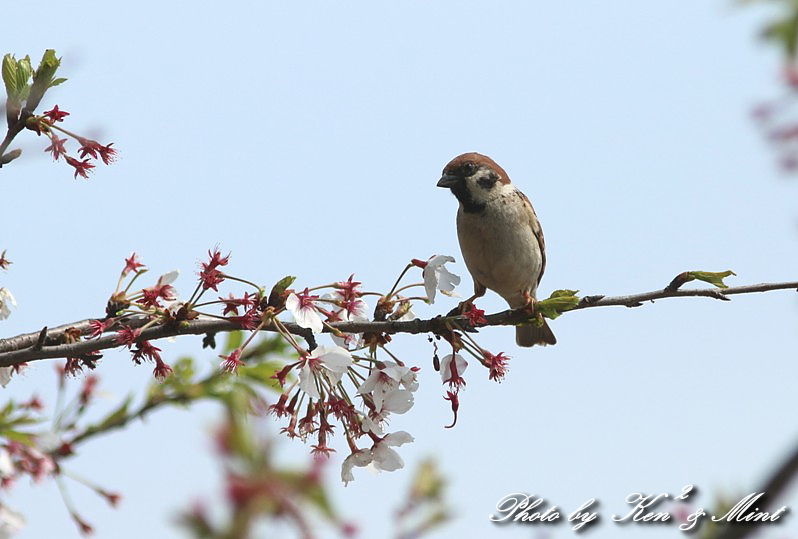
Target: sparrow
column 500, row 237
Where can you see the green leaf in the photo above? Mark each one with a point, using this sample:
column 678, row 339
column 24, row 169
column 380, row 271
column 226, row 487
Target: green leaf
column 42, row 78
column 48, row 64
column 114, row 417
column 262, row 373
column 284, row 283
column 275, row 299
column 563, row 293
column 713, row 278
column 22, row 420
column 24, row 72
column 10, row 76
column 559, row 302
column 183, row 368
column 265, row 346
column 57, row 81
column 16, row 436
column 316, row 495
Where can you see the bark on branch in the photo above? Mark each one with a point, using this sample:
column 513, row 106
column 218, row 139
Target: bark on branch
column 49, row 343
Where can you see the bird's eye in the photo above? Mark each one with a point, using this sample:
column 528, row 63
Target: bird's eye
column 469, row 169
column 487, row 182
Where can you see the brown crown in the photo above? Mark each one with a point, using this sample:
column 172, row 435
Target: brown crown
column 456, row 164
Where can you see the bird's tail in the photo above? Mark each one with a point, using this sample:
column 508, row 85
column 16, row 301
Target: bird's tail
column 530, row 335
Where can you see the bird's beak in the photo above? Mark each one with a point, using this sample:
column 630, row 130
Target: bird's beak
column 448, row 180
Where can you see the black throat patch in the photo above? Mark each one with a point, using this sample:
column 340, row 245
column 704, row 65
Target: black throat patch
column 466, row 199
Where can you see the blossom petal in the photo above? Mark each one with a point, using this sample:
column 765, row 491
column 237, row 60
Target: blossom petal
column 307, row 382
column 398, row 401
column 362, row 457
column 387, row 459
column 168, row 278
column 306, row 317
column 446, row 366
column 334, row 359
column 398, row 438
column 370, row 425
column 6, row 302
column 5, row 375
column 437, row 277
column 370, row 383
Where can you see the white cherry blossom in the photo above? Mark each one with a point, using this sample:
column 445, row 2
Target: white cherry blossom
column 384, row 387
column 381, row 456
column 437, row 277
column 304, row 312
column 6, row 302
column 360, row 458
column 385, row 458
column 446, row 366
column 332, row 361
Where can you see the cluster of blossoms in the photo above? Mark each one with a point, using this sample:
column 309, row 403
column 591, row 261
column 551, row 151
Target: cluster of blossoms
column 37, row 454
column 89, row 149
column 318, row 393
column 353, row 382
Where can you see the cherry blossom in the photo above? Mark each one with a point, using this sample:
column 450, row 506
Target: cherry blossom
column 381, row 456
column 497, row 365
column 304, row 311
column 6, row 302
column 371, row 424
column 332, row 361
column 452, row 375
column 387, row 459
column 209, row 275
column 97, row 327
column 55, row 114
column 360, row 458
column 383, row 386
column 126, row 336
column 92, row 148
column 437, row 277
column 131, row 264
column 162, row 289
column 352, row 309
column 475, row 316
column 56, row 146
column 232, row 361
column 397, row 401
column 81, row 167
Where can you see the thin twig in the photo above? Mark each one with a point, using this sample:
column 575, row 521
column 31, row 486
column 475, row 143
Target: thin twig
column 23, row 348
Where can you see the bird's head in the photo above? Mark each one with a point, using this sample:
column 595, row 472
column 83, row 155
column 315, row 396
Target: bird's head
column 474, row 179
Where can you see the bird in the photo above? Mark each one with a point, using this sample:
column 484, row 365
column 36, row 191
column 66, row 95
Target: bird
column 500, row 237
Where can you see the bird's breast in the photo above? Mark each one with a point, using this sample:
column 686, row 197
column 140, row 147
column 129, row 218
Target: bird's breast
column 500, row 249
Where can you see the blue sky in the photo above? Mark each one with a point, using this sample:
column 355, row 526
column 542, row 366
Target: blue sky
column 306, row 138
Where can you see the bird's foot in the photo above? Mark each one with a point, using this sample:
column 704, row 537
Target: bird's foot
column 463, row 306
column 529, row 302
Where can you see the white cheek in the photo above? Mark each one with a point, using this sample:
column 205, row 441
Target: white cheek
column 479, row 193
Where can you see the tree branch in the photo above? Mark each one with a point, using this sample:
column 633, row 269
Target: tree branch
column 49, row 343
